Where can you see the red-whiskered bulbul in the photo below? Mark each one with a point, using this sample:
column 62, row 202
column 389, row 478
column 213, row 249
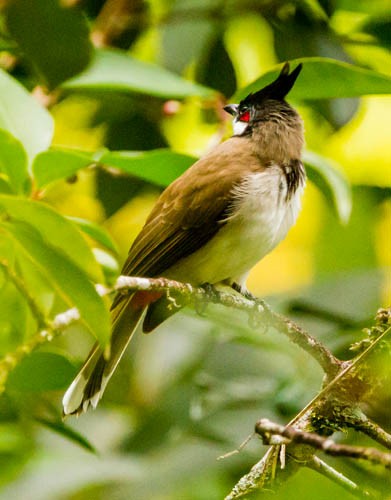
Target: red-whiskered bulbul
column 212, row 224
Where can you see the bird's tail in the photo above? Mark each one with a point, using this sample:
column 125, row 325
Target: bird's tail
column 87, row 388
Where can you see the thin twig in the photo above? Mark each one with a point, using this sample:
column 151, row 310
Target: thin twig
column 337, row 477
column 238, row 449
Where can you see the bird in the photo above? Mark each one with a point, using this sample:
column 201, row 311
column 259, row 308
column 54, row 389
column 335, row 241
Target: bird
column 211, row 225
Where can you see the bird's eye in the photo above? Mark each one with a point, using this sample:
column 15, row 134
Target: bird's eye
column 245, row 117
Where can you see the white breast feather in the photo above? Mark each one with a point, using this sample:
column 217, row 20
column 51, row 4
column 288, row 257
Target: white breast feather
column 260, row 218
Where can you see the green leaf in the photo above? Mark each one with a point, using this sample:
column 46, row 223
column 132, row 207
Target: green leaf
column 67, row 432
column 55, row 38
column 13, row 163
column 56, row 164
column 114, row 70
column 323, row 78
column 70, row 282
column 159, row 166
column 331, row 182
column 97, row 233
column 23, row 117
column 55, row 229
column 41, row 371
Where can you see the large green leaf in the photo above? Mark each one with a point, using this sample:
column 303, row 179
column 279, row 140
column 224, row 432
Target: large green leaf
column 117, row 71
column 55, row 38
column 23, row 117
column 70, row 282
column 54, row 229
column 160, row 166
column 13, row 163
column 323, row 78
column 41, row 371
column 56, row 164
column 331, row 182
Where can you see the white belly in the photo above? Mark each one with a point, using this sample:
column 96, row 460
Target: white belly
column 261, row 218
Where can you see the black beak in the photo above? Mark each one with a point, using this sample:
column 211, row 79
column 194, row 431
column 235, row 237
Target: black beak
column 232, row 109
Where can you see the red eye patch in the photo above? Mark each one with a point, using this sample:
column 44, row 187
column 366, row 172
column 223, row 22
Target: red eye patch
column 245, row 117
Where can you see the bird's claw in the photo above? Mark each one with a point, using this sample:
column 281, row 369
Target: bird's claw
column 201, row 303
column 257, row 316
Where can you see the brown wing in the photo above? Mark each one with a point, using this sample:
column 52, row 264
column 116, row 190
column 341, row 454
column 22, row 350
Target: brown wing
column 191, row 210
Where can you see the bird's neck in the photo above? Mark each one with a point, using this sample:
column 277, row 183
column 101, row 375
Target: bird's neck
column 279, row 140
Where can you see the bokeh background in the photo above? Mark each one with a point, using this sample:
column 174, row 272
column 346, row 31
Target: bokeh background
column 193, row 391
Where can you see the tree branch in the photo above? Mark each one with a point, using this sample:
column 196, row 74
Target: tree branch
column 265, row 428
column 337, row 404
column 258, row 311
column 374, row 431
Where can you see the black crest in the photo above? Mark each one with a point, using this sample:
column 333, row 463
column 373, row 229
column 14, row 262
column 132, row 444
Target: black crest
column 276, row 90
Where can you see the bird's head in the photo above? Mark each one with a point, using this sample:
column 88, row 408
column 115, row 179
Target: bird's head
column 266, row 104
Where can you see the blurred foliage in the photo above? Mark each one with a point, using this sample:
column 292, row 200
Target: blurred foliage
column 135, row 91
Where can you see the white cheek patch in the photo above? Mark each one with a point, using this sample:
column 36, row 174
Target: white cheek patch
column 239, row 127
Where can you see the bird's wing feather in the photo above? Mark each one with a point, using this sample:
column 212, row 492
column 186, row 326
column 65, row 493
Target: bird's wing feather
column 191, row 210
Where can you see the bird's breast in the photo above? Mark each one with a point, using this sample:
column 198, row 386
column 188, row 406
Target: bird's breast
column 260, row 215
column 263, row 211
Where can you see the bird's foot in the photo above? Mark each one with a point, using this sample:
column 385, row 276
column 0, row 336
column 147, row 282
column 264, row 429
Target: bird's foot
column 210, row 295
column 247, row 294
column 257, row 316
